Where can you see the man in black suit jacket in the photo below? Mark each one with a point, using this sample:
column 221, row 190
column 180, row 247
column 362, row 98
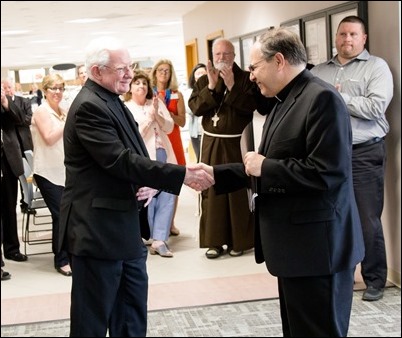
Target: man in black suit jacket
column 12, row 167
column 23, row 127
column 307, row 224
column 107, row 169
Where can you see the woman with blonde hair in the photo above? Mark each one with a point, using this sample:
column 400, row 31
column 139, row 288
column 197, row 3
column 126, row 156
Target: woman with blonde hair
column 47, row 128
column 165, row 85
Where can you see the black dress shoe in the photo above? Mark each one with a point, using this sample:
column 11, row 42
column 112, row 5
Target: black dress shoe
column 372, row 294
column 18, row 257
column 64, row 273
column 5, row 275
column 26, row 210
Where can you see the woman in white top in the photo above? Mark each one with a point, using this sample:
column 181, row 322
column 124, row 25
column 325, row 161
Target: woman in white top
column 154, row 123
column 49, row 173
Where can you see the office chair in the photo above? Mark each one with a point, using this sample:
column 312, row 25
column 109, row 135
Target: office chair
column 37, row 221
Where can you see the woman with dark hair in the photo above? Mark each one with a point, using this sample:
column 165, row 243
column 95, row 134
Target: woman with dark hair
column 154, row 123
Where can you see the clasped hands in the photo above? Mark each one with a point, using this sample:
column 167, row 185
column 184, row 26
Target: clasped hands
column 226, row 73
column 200, row 176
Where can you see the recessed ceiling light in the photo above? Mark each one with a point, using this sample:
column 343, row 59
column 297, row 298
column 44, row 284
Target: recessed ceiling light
column 86, row 20
column 170, row 23
column 15, row 32
column 41, row 41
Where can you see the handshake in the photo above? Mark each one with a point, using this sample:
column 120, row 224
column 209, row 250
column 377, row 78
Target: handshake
column 199, row 176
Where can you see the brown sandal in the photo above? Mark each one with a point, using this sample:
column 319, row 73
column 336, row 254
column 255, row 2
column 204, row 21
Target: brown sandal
column 214, row 252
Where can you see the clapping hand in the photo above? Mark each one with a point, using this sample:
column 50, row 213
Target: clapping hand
column 227, row 75
column 198, row 178
column 4, row 101
column 213, row 75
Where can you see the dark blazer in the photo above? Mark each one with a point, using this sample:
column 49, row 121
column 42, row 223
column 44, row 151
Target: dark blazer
column 11, row 145
column 23, row 128
column 106, row 161
column 306, row 215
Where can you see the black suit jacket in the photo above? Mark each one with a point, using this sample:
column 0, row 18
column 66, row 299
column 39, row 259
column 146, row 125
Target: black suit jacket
column 106, row 161
column 23, row 128
column 306, row 214
column 12, row 151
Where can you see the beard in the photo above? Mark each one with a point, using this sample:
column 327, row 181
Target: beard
column 221, row 65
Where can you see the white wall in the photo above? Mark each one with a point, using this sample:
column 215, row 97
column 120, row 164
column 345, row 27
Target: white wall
column 385, row 41
column 239, row 18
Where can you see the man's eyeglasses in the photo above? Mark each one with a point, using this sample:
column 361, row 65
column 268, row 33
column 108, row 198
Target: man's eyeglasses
column 55, row 89
column 121, row 70
column 253, row 67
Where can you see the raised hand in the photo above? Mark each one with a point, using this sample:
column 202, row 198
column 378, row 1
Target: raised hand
column 213, row 75
column 197, row 178
column 4, row 101
column 227, row 75
column 155, row 102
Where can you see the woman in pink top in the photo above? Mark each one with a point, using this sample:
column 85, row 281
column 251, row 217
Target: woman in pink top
column 154, row 124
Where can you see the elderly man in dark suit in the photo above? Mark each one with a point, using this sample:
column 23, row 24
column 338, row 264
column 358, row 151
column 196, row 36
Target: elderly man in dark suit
column 12, row 167
column 23, row 130
column 307, row 224
column 107, row 170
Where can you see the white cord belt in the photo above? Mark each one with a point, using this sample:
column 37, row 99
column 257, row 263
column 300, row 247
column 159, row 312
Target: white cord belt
column 222, row 135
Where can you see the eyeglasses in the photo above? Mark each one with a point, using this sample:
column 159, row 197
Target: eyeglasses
column 121, row 70
column 163, row 71
column 252, row 67
column 55, row 89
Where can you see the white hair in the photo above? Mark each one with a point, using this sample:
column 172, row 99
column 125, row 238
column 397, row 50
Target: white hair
column 97, row 52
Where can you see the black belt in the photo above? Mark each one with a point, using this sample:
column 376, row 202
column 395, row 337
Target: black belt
column 368, row 143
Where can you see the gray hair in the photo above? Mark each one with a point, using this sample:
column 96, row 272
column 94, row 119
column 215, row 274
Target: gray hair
column 98, row 52
column 285, row 41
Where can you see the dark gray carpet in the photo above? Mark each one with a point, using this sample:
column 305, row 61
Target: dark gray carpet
column 246, row 319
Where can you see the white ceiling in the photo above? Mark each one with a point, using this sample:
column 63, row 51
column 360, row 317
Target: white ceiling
column 151, row 29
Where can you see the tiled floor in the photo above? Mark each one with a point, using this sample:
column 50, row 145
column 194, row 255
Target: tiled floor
column 259, row 318
column 36, row 292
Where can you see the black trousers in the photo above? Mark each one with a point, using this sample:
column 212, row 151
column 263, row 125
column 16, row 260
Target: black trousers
column 318, row 306
column 52, row 194
column 109, row 295
column 9, row 195
column 368, row 183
